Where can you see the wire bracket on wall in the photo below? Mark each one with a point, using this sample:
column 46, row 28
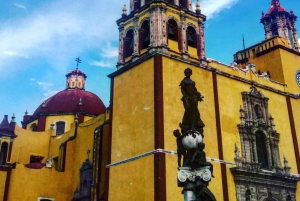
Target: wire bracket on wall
column 165, row 152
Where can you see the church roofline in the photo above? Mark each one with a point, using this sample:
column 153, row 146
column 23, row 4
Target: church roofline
column 269, row 49
column 146, row 6
column 207, row 67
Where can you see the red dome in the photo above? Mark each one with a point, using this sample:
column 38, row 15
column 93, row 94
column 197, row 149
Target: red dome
column 67, row 101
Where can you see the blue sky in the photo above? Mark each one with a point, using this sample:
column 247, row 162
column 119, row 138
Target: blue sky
column 39, row 41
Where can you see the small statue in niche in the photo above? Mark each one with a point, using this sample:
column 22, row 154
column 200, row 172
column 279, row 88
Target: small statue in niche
column 259, row 113
column 180, row 149
column 191, row 119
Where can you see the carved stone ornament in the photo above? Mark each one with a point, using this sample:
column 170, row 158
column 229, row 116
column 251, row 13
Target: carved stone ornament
column 258, row 174
column 187, row 174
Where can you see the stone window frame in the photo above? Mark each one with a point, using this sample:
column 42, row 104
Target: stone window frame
column 251, row 124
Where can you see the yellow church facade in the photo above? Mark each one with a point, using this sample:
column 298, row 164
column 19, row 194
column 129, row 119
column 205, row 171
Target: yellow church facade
column 249, row 110
column 249, row 107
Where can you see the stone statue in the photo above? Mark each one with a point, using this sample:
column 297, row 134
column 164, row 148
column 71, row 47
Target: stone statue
column 180, row 149
column 190, row 97
column 195, row 173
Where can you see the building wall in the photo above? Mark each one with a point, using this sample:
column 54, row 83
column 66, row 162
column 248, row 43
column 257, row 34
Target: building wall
column 133, row 134
column 49, row 182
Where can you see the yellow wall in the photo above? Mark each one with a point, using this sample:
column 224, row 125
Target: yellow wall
column 2, row 183
column 290, row 63
column 47, row 182
column 29, row 184
column 29, row 143
column 133, row 133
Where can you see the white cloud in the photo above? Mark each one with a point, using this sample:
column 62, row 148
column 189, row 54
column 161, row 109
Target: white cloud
column 103, row 64
column 59, row 32
column 210, row 8
column 109, row 51
column 15, row 54
column 20, row 6
column 47, row 89
column 299, row 41
column 32, row 79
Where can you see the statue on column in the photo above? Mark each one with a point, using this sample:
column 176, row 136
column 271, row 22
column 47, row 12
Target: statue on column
column 195, row 173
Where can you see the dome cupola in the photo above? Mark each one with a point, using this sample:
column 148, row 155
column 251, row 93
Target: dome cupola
column 76, row 78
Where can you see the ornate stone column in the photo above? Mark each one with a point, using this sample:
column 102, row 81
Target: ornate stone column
column 135, row 54
column 158, row 32
column 202, row 41
column 183, row 36
column 190, row 5
column 121, row 46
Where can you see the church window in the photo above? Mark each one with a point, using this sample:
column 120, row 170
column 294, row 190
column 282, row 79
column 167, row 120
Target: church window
column 3, row 153
column 35, row 159
column 144, row 35
column 73, row 84
column 60, row 127
column 191, row 37
column 128, row 44
column 262, row 155
column 33, row 127
column 172, row 30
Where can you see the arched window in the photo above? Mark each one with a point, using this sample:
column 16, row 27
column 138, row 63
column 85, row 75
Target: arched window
column 261, row 146
column 191, row 37
column 144, row 35
column 172, row 30
column 3, row 154
column 33, row 127
column 128, row 44
column 60, row 127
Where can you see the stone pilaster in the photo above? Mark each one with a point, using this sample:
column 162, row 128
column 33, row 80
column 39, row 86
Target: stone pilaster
column 183, row 35
column 202, row 41
column 158, row 30
column 121, row 46
column 190, row 5
column 136, row 44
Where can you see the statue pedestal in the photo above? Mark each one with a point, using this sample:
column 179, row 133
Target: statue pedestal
column 189, row 196
column 195, row 182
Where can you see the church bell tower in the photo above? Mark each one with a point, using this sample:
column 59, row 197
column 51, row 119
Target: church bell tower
column 158, row 39
column 279, row 22
column 168, row 26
